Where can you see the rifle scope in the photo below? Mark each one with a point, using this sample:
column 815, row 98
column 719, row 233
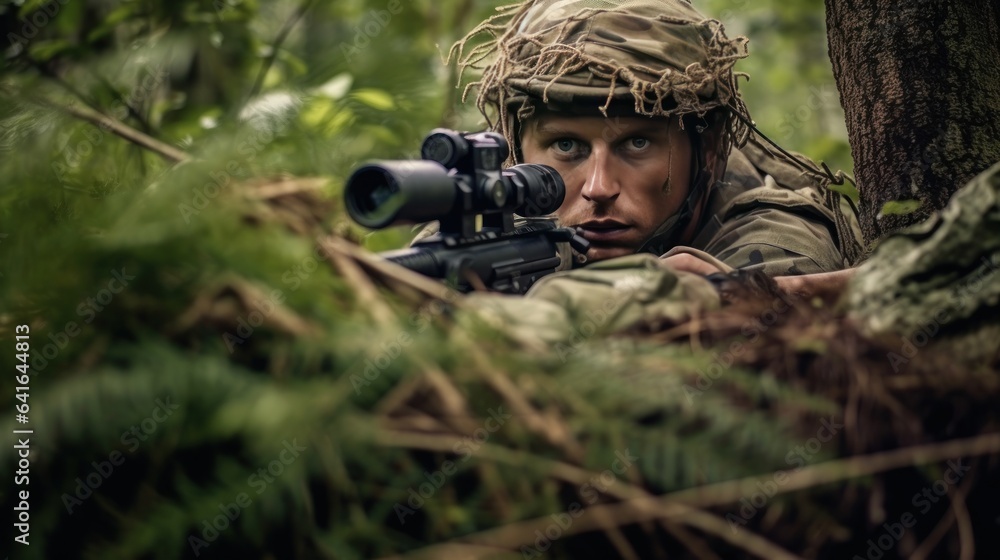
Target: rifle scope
column 458, row 176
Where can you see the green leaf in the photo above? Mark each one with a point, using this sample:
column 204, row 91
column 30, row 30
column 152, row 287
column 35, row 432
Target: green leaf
column 297, row 66
column 118, row 15
column 46, row 50
column 30, row 6
column 846, row 189
column 375, row 98
column 900, row 207
column 336, row 87
column 325, row 116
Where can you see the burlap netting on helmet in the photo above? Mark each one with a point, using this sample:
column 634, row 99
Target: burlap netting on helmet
column 661, row 55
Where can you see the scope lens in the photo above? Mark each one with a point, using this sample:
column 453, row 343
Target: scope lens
column 544, row 189
column 374, row 189
column 497, row 192
column 369, row 195
column 381, row 194
column 444, row 146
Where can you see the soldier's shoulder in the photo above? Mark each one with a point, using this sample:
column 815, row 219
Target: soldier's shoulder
column 759, row 179
column 756, row 178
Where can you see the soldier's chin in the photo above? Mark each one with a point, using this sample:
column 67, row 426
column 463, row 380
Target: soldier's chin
column 599, row 252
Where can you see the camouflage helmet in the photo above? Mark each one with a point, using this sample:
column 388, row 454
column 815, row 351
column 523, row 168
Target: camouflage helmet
column 645, row 57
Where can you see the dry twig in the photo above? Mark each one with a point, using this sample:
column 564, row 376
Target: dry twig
column 638, row 506
column 123, row 130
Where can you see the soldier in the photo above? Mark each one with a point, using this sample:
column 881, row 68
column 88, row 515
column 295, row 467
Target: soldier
column 636, row 104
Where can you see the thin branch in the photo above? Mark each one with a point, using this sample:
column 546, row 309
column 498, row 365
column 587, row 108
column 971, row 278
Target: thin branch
column 123, row 130
column 941, row 529
column 452, row 401
column 50, row 74
column 551, row 427
column 384, row 270
column 271, row 56
column 640, row 506
column 966, row 537
column 617, row 538
column 132, row 110
column 637, row 505
column 742, row 538
column 364, row 288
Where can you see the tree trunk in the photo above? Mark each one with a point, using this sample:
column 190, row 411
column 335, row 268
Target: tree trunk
column 920, row 86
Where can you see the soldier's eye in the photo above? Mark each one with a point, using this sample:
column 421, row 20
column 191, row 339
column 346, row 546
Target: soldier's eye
column 639, row 142
column 564, row 145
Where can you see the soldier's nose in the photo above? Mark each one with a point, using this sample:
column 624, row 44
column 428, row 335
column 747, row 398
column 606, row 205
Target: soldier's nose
column 601, row 185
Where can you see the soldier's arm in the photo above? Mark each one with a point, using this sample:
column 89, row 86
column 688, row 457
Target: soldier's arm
column 826, row 285
column 779, row 242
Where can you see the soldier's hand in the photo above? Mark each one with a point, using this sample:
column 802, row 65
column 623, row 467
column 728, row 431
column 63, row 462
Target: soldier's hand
column 826, row 285
column 688, row 263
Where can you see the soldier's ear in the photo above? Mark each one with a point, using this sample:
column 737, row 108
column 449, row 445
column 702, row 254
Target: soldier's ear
column 517, row 128
column 708, row 133
column 711, row 146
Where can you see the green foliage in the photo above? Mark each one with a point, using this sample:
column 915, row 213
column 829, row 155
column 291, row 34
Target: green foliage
column 900, row 207
column 791, row 92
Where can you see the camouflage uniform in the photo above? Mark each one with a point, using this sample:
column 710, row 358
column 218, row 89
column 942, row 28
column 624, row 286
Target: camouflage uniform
column 769, row 215
column 661, row 58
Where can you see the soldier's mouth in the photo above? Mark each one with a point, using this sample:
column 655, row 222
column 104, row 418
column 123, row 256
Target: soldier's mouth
column 603, row 230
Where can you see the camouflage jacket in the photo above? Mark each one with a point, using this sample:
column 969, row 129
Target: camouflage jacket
column 773, row 216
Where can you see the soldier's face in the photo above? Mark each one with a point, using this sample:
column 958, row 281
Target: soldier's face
column 624, row 175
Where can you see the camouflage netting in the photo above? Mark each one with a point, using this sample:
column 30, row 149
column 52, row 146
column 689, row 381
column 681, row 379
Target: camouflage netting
column 569, row 51
column 937, row 281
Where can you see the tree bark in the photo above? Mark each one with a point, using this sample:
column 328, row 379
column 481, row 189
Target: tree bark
column 920, row 87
